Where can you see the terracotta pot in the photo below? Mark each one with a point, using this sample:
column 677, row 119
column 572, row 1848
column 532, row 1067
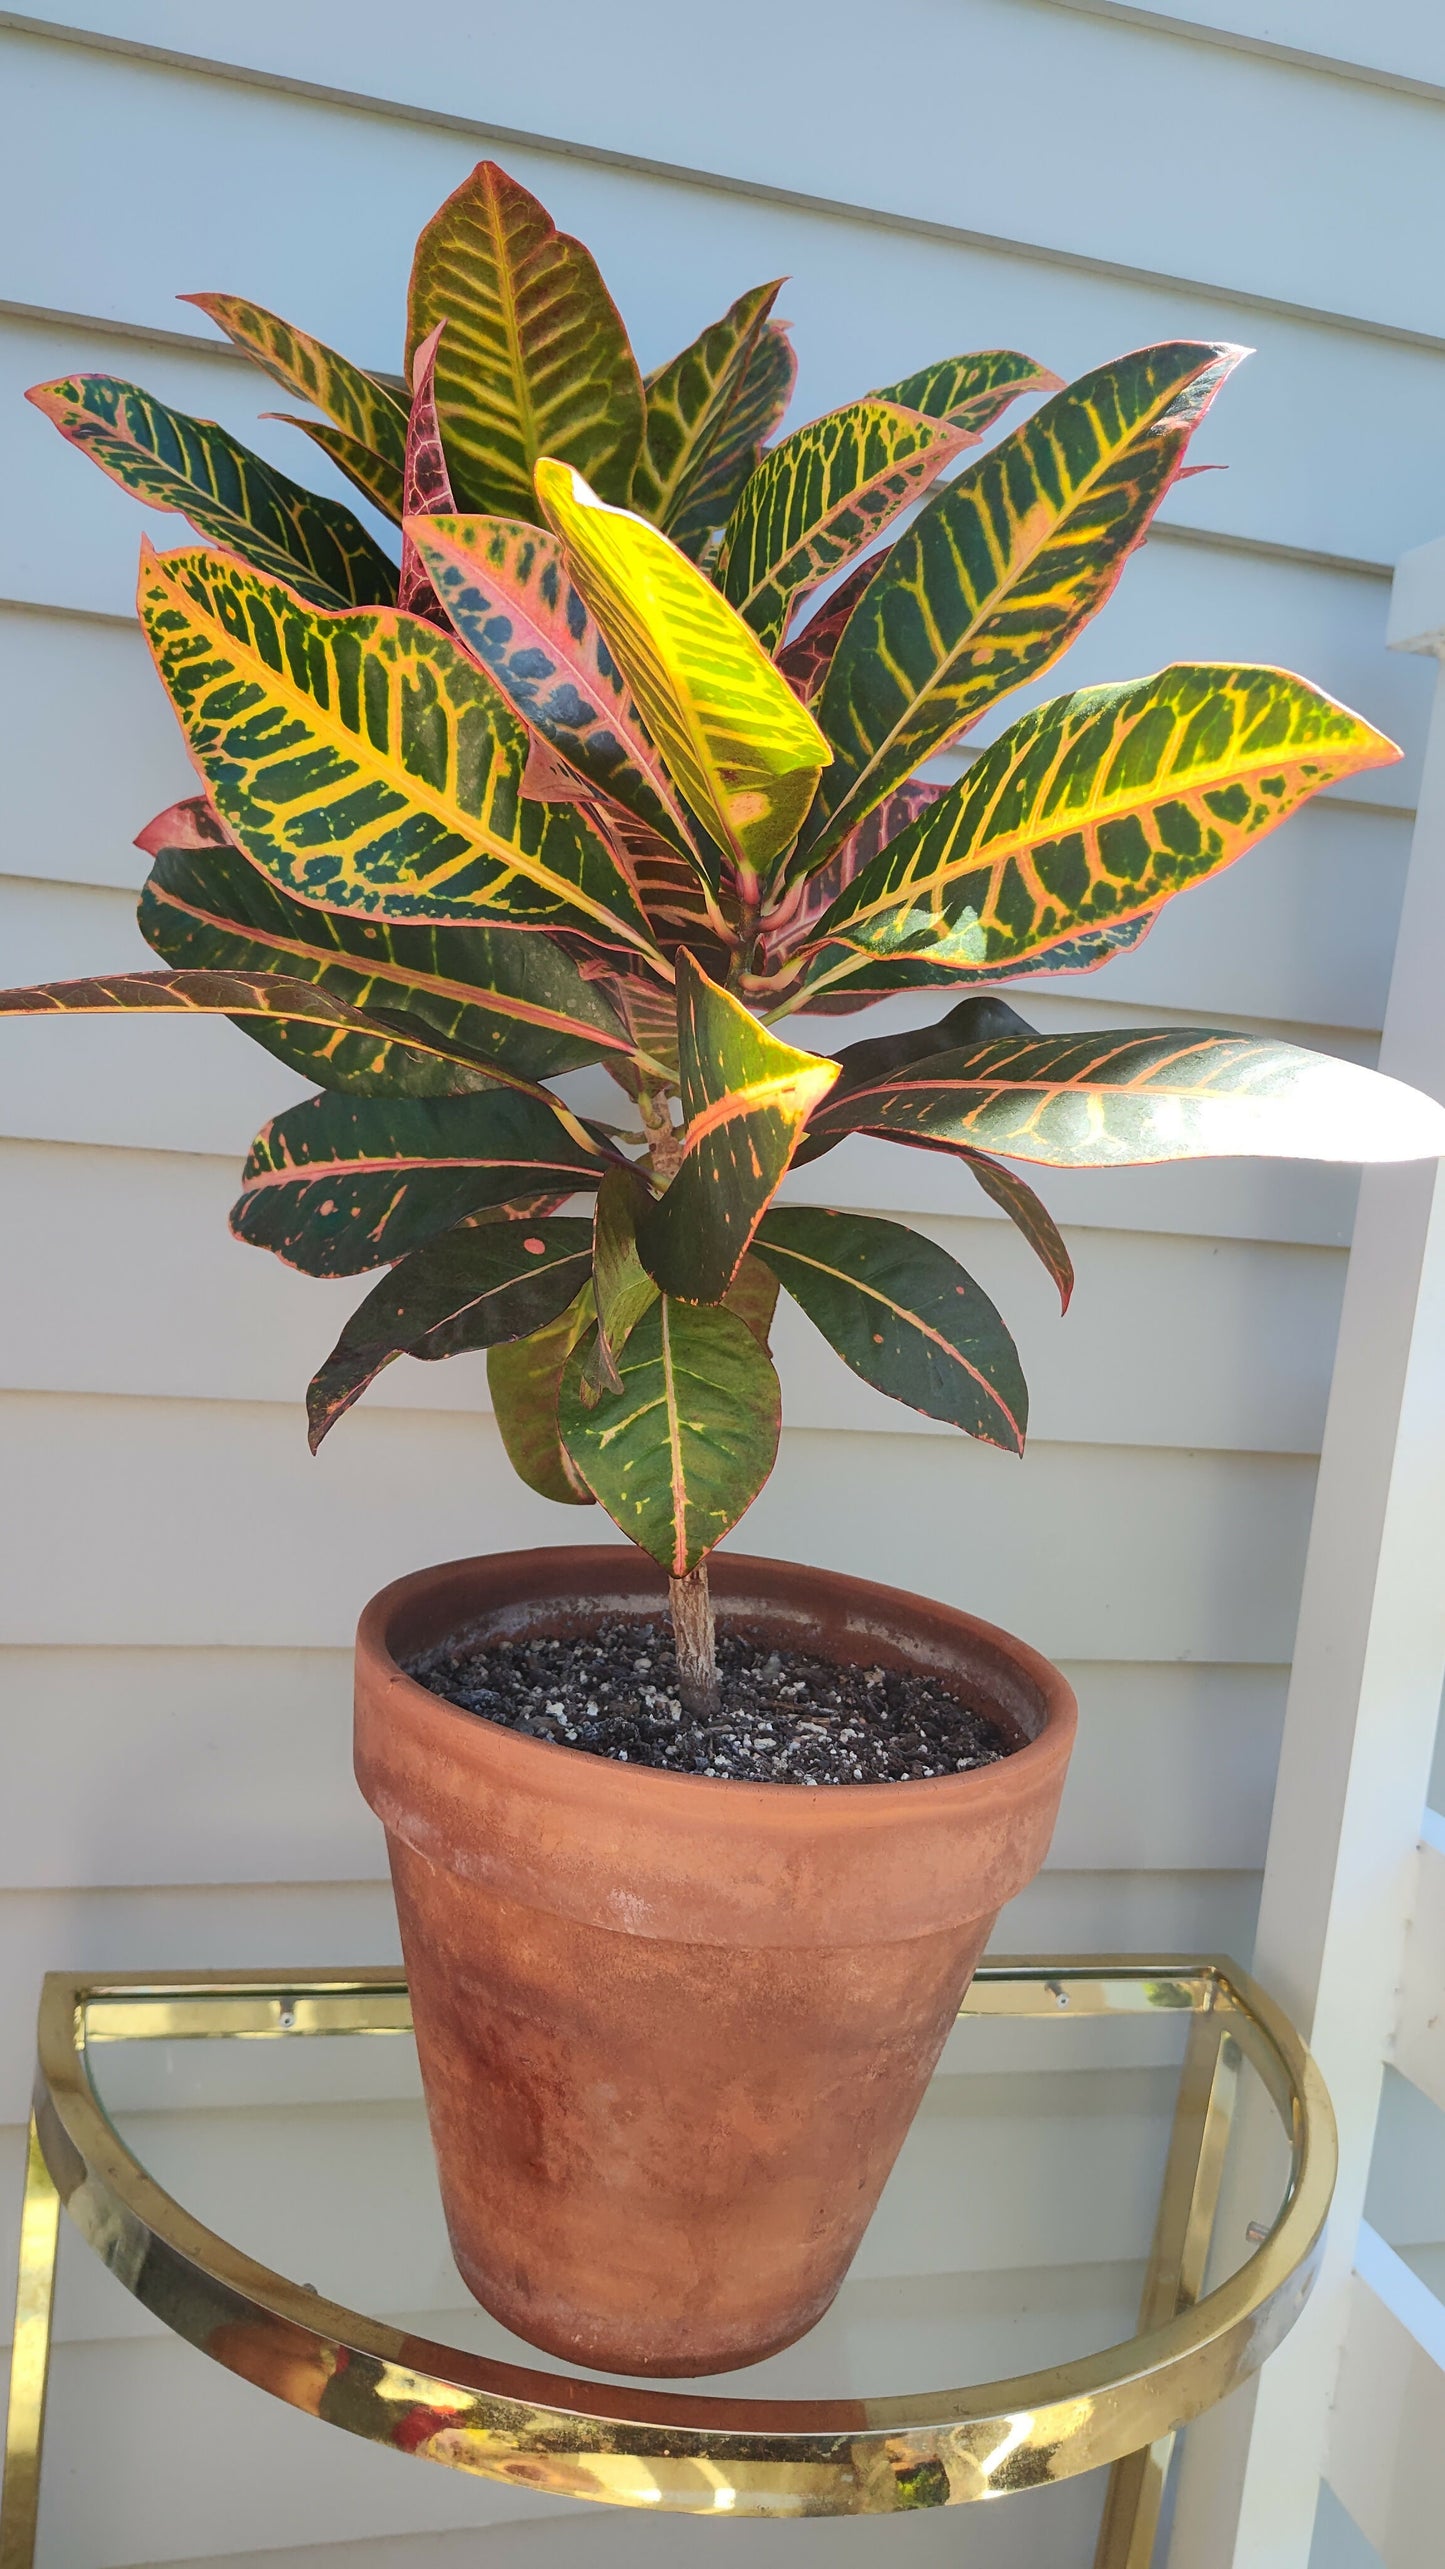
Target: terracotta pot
column 673, row 2029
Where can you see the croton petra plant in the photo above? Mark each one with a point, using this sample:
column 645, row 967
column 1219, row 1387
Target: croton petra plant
column 589, row 777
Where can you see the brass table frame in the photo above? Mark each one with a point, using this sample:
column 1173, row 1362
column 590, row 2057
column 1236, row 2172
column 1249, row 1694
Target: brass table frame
column 654, row 2447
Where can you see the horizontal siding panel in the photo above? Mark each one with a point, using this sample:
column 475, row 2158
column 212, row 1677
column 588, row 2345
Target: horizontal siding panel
column 1286, row 131
column 245, row 1536
column 134, row 1766
column 190, row 1312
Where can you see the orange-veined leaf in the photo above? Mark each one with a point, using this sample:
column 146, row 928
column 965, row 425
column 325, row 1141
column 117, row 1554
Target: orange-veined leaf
column 760, row 398
column 474, row 1287
column 365, row 763
column 904, row 1315
column 535, row 360
column 339, row 1184
column 1029, row 1215
column 739, row 746
column 817, row 498
column 746, row 1096
column 171, row 461
column 1000, row 570
column 1088, row 812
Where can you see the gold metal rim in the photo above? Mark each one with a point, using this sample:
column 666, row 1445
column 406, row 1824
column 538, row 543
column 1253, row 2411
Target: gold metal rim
column 664, row 2449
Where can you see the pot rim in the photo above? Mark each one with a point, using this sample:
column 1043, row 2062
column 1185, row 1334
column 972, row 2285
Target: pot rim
column 750, row 1801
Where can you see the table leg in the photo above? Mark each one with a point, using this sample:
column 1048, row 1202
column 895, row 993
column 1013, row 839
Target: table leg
column 1193, row 2175
column 29, row 2362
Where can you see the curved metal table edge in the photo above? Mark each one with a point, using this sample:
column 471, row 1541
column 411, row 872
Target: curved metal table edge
column 666, row 2450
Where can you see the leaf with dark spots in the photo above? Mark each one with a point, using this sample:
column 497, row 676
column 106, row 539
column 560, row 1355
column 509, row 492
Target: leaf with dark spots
column 903, row 1315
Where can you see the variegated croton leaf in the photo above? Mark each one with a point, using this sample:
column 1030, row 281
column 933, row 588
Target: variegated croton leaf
column 400, row 794
column 761, row 397
column 502, row 1002
column 339, row 1184
column 999, row 572
column 366, row 434
column 1085, row 815
column 472, row 1288
column 691, row 405
column 534, row 360
column 171, row 461
column 426, row 489
column 746, row 1097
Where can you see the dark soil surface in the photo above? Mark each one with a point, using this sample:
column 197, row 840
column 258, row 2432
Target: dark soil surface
column 784, row 1718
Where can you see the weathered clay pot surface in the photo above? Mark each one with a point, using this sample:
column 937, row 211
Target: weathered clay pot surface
column 674, row 2029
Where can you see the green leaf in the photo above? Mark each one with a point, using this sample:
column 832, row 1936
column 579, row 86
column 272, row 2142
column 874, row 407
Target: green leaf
column 339, row 1184
column 366, row 764
column 370, row 412
column 753, row 1295
column 904, row 1315
column 505, row 1003
column 375, row 478
column 678, row 1454
column 525, row 1377
column 971, row 392
column 817, row 498
column 1121, row 1097
column 737, row 743
column 746, row 1096
column 689, row 405
column 472, row 1288
column 190, row 465
column 506, row 588
column 622, row 1289
column 762, row 396
column 534, row 359
column 1000, row 571
column 1090, row 811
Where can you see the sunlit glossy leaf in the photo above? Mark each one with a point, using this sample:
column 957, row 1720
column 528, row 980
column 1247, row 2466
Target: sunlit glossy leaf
column 1001, row 569
column 746, row 1096
column 817, row 498
column 678, row 1454
column 1090, row 811
column 471, row 1288
column 339, row 1184
column 172, row 461
column 524, row 1377
column 534, row 360
column 366, row 763
column 1173, row 1093
column 690, row 403
column 737, row 743
column 904, row 1315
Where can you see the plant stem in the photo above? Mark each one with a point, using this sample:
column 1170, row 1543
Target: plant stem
column 692, row 1630
column 690, row 1597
